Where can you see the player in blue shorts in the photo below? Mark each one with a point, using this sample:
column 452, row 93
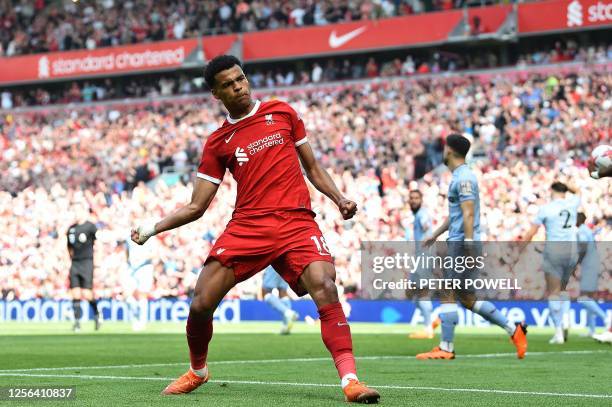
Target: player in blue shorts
column 589, row 273
column 422, row 228
column 463, row 226
column 560, row 252
column 280, row 302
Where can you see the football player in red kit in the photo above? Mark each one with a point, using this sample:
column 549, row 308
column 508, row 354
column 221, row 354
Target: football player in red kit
column 262, row 144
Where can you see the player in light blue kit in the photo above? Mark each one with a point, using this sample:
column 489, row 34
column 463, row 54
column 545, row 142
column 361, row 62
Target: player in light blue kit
column 589, row 273
column 560, row 252
column 463, row 225
column 280, row 302
column 422, row 228
column 138, row 283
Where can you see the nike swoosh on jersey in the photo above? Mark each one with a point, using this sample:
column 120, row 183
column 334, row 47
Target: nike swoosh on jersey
column 227, row 140
column 336, row 42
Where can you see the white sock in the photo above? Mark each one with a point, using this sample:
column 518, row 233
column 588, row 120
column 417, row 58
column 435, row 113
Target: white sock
column 200, row 372
column 447, row 346
column 510, row 328
column 346, row 378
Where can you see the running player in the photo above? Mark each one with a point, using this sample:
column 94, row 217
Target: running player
column 281, row 302
column 463, row 226
column 80, row 241
column 589, row 273
column 560, row 252
column 262, row 145
column 422, row 228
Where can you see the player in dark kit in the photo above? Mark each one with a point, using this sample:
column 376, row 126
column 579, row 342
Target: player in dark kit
column 262, row 145
column 80, row 238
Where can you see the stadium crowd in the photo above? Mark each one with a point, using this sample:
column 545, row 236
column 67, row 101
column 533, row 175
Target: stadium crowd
column 376, row 139
column 41, row 26
column 331, row 70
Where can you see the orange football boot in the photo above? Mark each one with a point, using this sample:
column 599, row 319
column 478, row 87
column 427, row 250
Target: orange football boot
column 520, row 339
column 356, row 392
column 436, row 353
column 186, row 383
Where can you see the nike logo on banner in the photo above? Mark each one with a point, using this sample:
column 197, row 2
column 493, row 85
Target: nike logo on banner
column 227, row 140
column 337, row 42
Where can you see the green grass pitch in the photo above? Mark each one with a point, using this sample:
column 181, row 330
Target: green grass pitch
column 251, row 365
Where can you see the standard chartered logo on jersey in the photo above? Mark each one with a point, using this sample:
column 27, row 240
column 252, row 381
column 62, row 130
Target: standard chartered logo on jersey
column 598, row 12
column 574, row 14
column 265, row 142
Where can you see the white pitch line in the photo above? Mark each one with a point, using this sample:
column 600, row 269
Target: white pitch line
column 292, row 384
column 321, row 359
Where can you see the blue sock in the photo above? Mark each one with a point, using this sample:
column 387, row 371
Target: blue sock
column 554, row 306
column 489, row 312
column 591, row 322
column 426, row 307
column 449, row 319
column 287, row 302
column 566, row 306
column 276, row 303
column 592, row 306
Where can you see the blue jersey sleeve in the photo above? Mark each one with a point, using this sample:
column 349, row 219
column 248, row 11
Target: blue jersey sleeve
column 574, row 201
column 540, row 217
column 467, row 190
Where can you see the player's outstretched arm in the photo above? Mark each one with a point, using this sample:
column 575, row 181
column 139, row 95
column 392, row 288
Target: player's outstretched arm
column 203, row 194
column 323, row 182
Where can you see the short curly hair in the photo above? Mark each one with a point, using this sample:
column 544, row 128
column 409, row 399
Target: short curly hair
column 218, row 64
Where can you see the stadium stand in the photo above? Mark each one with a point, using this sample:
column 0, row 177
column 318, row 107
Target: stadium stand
column 46, row 26
column 527, row 127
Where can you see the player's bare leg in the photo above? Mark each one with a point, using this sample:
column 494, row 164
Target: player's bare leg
column 214, row 282
column 319, row 280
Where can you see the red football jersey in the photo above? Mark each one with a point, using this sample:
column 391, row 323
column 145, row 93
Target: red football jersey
column 260, row 152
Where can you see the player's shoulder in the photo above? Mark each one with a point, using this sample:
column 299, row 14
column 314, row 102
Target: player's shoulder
column 276, row 106
column 465, row 173
column 219, row 134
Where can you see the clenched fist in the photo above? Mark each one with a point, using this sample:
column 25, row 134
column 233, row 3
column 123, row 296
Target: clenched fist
column 347, row 208
column 143, row 232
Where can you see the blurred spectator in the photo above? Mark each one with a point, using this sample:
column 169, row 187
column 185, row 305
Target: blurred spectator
column 30, row 27
column 373, row 137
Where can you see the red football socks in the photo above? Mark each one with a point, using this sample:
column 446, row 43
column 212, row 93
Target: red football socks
column 336, row 335
column 199, row 333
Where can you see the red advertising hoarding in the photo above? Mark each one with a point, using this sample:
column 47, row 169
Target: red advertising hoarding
column 359, row 35
column 561, row 15
column 365, row 35
column 104, row 61
column 215, row 45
